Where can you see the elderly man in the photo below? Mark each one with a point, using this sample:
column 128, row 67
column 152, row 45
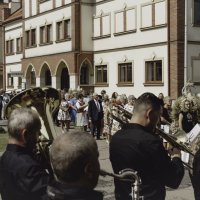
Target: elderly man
column 136, row 146
column 95, row 113
column 74, row 159
column 21, row 176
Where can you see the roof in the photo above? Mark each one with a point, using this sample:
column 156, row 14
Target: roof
column 14, row 16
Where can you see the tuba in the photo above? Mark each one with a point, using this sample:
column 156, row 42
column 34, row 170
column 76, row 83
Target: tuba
column 127, row 175
column 44, row 101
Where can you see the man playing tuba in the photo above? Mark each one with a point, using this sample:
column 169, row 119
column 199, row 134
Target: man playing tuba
column 21, row 176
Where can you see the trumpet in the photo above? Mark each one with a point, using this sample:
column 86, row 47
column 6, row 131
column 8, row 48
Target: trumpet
column 127, row 175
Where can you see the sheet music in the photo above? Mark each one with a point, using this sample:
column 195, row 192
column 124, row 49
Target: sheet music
column 194, row 133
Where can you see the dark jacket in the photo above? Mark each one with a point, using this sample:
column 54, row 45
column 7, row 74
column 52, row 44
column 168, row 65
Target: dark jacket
column 59, row 191
column 195, row 177
column 134, row 147
column 93, row 112
column 21, row 177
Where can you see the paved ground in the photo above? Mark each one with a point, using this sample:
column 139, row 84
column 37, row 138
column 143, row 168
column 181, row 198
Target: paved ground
column 106, row 185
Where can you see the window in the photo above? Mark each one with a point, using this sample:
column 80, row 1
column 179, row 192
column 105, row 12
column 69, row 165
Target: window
column 9, row 47
column 125, row 72
column 101, row 74
column 42, row 34
column 27, row 38
column 46, row 34
column 31, row 38
column 153, row 15
column 125, row 20
column 19, row 44
column 10, row 80
column 66, row 29
column 101, row 26
column 49, row 33
column 63, row 30
column 19, row 82
column 153, row 71
column 197, row 12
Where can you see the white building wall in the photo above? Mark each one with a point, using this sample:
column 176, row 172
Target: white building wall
column 86, row 23
column 13, row 62
column 193, row 32
column 193, row 49
column 41, row 20
column 68, row 1
column 13, row 68
column 194, row 64
column 26, row 9
column 138, row 38
column 46, row 5
column 34, row 7
column 58, row 3
column 138, row 57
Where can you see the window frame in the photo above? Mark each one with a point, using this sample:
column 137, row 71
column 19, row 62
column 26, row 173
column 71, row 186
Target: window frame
column 102, row 76
column 154, row 82
column 126, row 71
column 31, row 38
column 101, row 35
column 46, row 36
column 153, row 26
column 19, row 46
column 125, row 31
column 193, row 15
column 61, row 34
column 9, row 47
column 9, row 76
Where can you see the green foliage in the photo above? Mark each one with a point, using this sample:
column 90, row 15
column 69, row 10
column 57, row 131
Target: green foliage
column 3, row 141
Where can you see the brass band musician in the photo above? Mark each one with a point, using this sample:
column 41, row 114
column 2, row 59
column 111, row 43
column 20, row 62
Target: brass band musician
column 136, row 146
column 22, row 177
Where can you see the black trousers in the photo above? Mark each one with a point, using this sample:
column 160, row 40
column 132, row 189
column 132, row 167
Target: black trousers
column 96, row 125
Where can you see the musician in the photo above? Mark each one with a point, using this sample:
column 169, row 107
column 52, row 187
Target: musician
column 22, row 177
column 187, row 118
column 136, row 146
column 74, row 158
column 195, row 176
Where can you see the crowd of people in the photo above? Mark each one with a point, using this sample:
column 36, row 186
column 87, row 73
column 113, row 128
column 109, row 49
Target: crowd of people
column 73, row 168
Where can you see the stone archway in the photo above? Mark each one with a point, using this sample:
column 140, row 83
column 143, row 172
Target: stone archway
column 30, row 77
column 45, row 76
column 63, row 79
column 86, row 78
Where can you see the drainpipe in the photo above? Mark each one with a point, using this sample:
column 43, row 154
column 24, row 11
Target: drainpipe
column 185, row 46
column 168, row 46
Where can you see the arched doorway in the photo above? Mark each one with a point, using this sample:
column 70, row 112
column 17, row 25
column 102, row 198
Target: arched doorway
column 30, row 77
column 64, row 79
column 62, row 76
column 45, row 76
column 86, row 79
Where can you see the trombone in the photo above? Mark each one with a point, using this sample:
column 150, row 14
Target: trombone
column 179, row 142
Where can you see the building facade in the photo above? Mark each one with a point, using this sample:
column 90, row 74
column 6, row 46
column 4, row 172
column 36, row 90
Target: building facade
column 125, row 46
